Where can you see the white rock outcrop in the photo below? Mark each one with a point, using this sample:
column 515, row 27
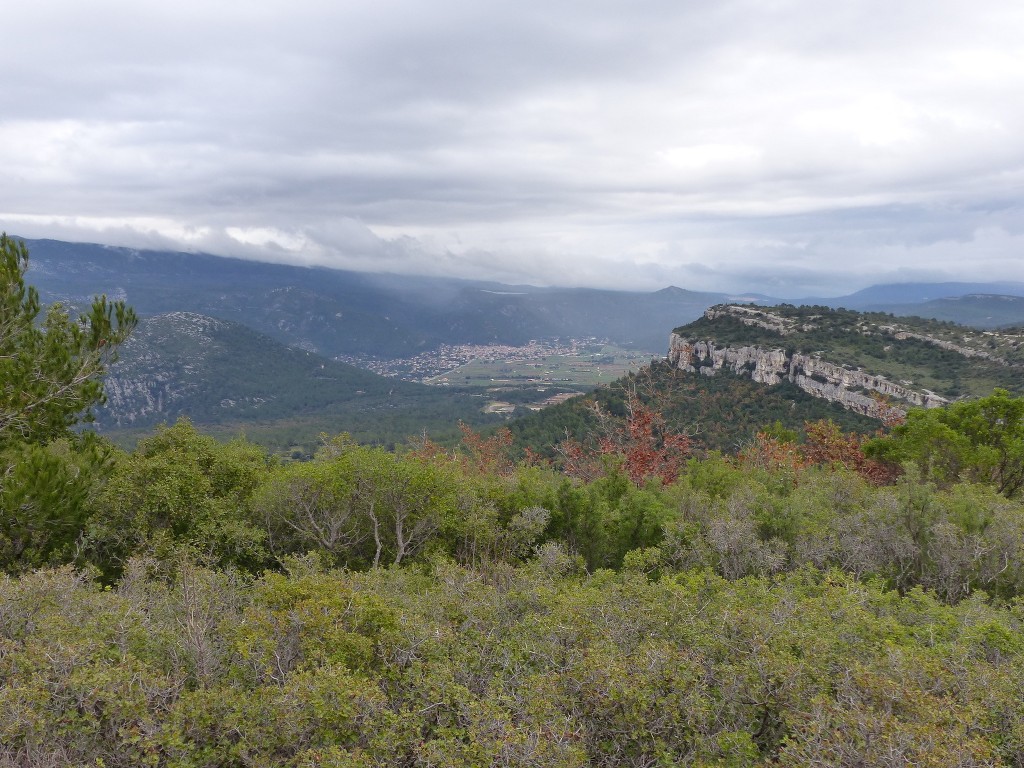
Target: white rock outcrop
column 941, row 343
column 821, row 378
column 752, row 316
column 764, row 366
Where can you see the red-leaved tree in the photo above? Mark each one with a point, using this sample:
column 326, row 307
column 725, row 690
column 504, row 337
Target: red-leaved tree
column 828, row 445
column 643, row 445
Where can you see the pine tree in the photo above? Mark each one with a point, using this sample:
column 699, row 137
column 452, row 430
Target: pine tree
column 51, row 369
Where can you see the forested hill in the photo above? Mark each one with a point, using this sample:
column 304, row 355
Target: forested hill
column 851, row 357
column 741, row 368
column 721, row 413
column 227, row 377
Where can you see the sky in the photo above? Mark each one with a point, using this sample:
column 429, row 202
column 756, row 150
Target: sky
column 791, row 147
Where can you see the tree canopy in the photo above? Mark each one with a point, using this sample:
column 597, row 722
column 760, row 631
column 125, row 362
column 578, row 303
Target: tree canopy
column 50, row 368
column 980, row 441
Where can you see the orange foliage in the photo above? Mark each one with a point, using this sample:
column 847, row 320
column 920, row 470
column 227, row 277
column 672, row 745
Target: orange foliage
column 772, row 454
column 490, row 455
column 644, row 445
column 828, row 445
column 422, row 447
column 484, row 455
column 886, row 412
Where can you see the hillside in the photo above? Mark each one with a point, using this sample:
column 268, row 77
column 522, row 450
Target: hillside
column 722, row 413
column 335, row 312
column 741, row 368
column 224, row 375
column 850, row 357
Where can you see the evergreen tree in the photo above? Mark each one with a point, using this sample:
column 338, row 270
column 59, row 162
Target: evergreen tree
column 51, row 370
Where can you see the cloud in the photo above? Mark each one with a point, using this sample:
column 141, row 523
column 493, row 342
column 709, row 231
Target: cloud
column 732, row 145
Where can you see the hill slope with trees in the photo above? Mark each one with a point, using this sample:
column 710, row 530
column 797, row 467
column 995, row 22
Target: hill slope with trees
column 224, row 376
column 916, row 356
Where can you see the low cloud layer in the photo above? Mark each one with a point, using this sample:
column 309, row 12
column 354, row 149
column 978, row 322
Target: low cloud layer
column 786, row 147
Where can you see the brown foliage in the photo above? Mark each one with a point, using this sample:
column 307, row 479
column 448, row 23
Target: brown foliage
column 886, row 412
column 773, row 454
column 482, row 455
column 826, row 445
column 488, row 455
column 644, row 445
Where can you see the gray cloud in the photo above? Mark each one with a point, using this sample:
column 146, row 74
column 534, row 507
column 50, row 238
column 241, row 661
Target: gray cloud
column 786, row 147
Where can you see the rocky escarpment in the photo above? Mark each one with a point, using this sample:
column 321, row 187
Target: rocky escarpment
column 146, row 383
column 751, row 316
column 901, row 334
column 852, row 388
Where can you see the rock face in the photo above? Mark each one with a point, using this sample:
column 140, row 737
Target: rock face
column 767, row 366
column 849, row 387
column 757, row 317
column 151, row 383
column 941, row 343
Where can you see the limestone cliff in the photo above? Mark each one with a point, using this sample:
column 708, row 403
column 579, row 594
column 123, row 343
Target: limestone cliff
column 943, row 343
column 850, row 387
column 852, row 358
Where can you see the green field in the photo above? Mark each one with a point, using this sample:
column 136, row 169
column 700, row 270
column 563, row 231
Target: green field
column 595, row 365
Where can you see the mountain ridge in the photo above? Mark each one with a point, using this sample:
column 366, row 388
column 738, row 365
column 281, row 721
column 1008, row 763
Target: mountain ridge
column 344, row 313
column 228, row 378
column 850, row 357
column 336, row 312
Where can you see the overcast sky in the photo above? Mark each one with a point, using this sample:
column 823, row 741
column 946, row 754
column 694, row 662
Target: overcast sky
column 792, row 147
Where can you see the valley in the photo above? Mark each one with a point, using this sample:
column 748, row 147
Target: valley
column 571, row 362
column 300, row 351
column 512, row 385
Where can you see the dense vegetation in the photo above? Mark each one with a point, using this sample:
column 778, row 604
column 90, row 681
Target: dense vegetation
column 721, row 413
column 546, row 666
column 808, row 601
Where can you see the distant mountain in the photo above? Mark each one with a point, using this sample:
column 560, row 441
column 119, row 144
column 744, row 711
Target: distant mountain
column 341, row 313
column 980, row 305
column 882, row 298
column 222, row 374
column 979, row 310
column 335, row 312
